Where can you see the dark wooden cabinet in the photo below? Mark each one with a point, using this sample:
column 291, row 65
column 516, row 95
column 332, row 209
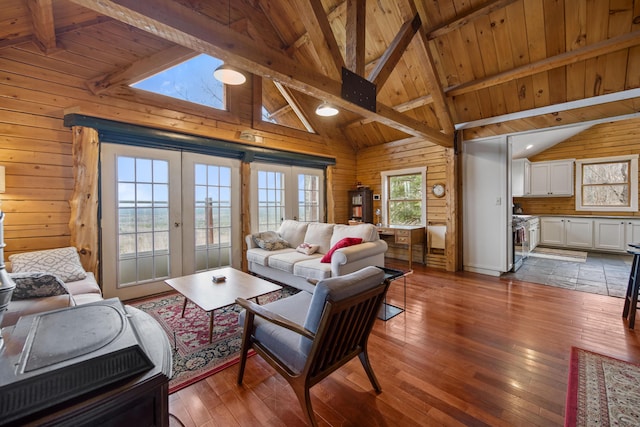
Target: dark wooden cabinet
column 361, row 205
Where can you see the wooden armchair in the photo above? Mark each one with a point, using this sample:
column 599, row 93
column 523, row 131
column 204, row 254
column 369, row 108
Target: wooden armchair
column 306, row 337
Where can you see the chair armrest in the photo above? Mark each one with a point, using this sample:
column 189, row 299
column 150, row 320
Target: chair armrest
column 274, row 318
column 356, row 252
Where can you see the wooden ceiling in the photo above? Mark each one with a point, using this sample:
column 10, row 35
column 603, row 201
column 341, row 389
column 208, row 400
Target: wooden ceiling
column 491, row 66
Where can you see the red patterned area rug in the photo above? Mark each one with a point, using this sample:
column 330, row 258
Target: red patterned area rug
column 194, row 358
column 602, row 391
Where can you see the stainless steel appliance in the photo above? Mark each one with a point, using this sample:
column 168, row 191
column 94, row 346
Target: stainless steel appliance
column 520, row 246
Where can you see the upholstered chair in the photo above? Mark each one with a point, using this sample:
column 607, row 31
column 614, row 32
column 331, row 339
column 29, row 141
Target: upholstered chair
column 306, row 337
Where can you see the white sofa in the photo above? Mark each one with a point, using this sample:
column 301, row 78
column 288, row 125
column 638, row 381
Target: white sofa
column 302, row 271
column 48, row 268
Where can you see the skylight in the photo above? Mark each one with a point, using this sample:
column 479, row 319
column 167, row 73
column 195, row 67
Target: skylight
column 190, row 81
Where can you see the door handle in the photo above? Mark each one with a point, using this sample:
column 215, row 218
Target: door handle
column 176, row 224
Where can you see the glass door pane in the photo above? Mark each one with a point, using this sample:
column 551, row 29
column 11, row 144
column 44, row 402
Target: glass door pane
column 211, row 213
column 212, row 216
column 140, row 209
column 143, row 220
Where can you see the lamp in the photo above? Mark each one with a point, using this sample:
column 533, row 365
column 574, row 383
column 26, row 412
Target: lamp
column 326, row 110
column 226, row 73
column 229, row 75
column 2, row 182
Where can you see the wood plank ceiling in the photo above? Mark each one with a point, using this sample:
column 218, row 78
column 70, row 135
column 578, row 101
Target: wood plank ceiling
column 437, row 64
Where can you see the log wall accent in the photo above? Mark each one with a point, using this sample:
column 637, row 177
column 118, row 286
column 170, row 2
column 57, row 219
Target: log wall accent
column 83, row 222
column 603, row 140
column 412, row 153
column 36, row 148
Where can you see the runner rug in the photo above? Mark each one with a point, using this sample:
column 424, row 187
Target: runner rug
column 194, row 358
column 602, row 391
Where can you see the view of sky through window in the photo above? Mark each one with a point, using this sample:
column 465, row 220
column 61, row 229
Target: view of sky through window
column 191, row 81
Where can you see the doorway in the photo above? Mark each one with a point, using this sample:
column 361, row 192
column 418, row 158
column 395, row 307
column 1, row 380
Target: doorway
column 165, row 214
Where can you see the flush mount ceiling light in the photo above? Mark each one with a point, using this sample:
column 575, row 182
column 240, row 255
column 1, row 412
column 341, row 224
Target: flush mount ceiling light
column 229, row 75
column 326, row 110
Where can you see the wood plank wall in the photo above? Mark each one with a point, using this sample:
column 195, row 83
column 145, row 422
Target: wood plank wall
column 36, row 149
column 603, row 140
column 401, row 155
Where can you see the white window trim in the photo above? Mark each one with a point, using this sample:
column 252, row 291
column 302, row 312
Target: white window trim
column 385, row 191
column 633, row 188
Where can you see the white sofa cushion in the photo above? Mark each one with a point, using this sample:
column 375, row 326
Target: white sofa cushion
column 261, row 256
column 293, row 231
column 286, row 261
column 367, row 232
column 312, row 269
column 319, row 233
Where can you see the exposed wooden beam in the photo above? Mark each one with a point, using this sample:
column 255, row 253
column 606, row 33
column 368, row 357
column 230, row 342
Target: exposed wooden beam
column 431, row 75
column 461, row 20
column 591, row 51
column 28, row 39
column 324, row 41
column 139, row 70
column 394, row 52
column 355, row 32
column 405, row 106
column 291, row 100
column 175, row 22
column 44, row 31
column 282, row 110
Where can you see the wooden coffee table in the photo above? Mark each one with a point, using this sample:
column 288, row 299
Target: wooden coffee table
column 200, row 289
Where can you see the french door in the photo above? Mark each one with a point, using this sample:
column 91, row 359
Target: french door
column 283, row 192
column 165, row 214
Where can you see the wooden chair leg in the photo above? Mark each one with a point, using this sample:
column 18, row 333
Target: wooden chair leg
column 302, row 393
column 364, row 359
column 246, row 343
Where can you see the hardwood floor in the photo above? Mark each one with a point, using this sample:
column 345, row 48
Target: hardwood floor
column 469, row 350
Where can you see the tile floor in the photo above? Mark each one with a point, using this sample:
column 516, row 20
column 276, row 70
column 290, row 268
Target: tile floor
column 602, row 273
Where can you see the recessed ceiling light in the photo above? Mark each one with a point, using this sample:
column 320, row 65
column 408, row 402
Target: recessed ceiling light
column 529, row 147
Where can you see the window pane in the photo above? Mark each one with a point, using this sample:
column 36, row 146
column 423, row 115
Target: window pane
column 405, row 213
column 605, row 195
column 405, row 187
column 605, row 173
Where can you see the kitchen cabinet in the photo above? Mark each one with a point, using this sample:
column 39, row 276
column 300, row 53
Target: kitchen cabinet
column 570, row 232
column 520, row 177
column 609, row 234
column 554, row 178
column 632, row 233
column 534, row 233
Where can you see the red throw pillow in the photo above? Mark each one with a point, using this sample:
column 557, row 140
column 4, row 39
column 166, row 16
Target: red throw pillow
column 342, row 243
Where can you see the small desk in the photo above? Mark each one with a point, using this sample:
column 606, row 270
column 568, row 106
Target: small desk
column 406, row 235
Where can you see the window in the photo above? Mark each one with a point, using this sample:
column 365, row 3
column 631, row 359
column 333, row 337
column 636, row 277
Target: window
column 404, row 197
column 191, row 81
column 607, row 184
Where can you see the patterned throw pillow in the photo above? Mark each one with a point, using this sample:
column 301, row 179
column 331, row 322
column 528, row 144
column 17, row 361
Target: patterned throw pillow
column 307, row 248
column 63, row 262
column 270, row 241
column 37, row 285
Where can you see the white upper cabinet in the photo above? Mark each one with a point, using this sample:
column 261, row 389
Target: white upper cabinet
column 553, row 178
column 520, row 177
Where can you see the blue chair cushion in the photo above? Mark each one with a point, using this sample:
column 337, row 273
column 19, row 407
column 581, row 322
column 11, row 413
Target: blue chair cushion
column 283, row 343
column 338, row 288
